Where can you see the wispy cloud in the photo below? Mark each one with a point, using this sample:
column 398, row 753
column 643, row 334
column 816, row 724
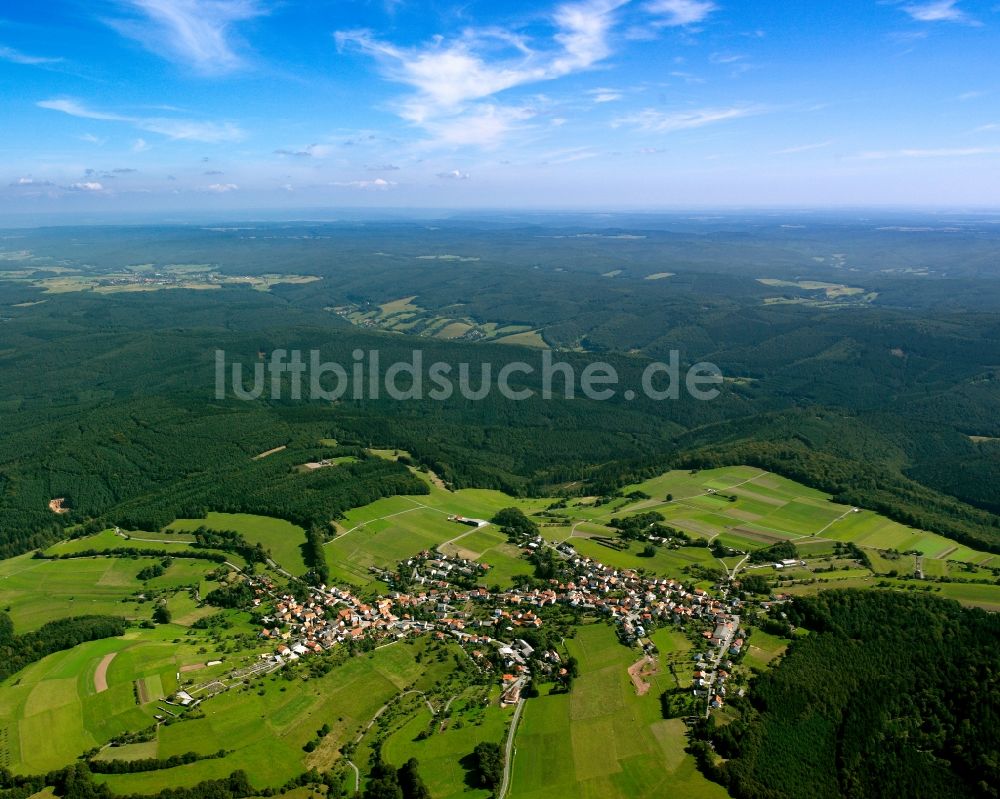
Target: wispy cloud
column 453, row 79
column 221, row 188
column 678, row 13
column 310, row 151
column 28, row 181
column 194, row 33
column 86, row 186
column 186, row 129
column 454, row 174
column 17, row 57
column 605, row 95
column 569, row 156
column 943, row 152
column 803, row 148
column 653, row 121
column 378, row 184
column 939, row 11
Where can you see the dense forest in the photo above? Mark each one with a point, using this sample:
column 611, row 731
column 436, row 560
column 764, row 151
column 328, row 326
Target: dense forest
column 891, row 403
column 890, row 694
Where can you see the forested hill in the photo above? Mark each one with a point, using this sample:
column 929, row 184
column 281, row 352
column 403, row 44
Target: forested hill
column 888, row 399
column 890, row 694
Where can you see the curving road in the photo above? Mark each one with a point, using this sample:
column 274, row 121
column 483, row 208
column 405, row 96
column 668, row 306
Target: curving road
column 509, row 751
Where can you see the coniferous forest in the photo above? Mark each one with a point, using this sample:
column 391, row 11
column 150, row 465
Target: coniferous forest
column 887, row 695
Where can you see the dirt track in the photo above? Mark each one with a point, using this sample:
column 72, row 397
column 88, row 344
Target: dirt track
column 101, row 675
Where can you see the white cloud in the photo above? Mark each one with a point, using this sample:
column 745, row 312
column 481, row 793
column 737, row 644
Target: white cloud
column 92, row 139
column 76, row 109
column 483, row 125
column 187, row 129
column 310, row 151
column 938, row 11
column 17, row 57
column 194, row 33
column 378, row 184
column 605, row 95
column 678, row 13
column 725, row 58
column 452, row 79
column 87, row 186
column 221, row 188
column 653, row 121
column 193, row 130
column 944, row 152
column 569, row 155
column 140, row 146
column 454, row 174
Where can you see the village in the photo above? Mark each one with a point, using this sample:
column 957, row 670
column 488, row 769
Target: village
column 492, row 626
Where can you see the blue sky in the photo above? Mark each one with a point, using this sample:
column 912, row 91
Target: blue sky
column 116, row 105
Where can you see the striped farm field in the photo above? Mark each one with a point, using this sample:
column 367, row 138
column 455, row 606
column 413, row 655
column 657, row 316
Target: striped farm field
column 602, row 741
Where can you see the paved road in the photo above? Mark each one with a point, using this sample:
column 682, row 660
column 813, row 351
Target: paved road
column 717, row 660
column 509, row 751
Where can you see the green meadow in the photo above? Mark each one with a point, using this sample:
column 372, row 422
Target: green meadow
column 52, row 710
column 264, row 725
column 602, row 741
column 441, row 755
column 283, row 540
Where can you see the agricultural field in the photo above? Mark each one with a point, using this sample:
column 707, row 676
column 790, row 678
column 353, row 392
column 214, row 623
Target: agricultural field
column 406, row 316
column 145, row 277
column 35, row 591
column 601, row 740
column 762, row 648
column 444, row 755
column 264, row 725
column 283, row 540
column 741, row 507
column 395, row 528
column 746, row 508
column 90, row 694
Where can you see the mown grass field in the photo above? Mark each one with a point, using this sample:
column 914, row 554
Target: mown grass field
column 740, row 506
column 52, row 710
column 35, row 591
column 599, row 741
column 746, row 508
column 762, row 648
column 265, row 725
column 602, row 741
column 444, row 764
column 395, row 528
column 283, row 540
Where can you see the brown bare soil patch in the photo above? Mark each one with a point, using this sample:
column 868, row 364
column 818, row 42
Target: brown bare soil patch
column 269, row 452
column 101, row 675
column 641, row 672
column 56, row 505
